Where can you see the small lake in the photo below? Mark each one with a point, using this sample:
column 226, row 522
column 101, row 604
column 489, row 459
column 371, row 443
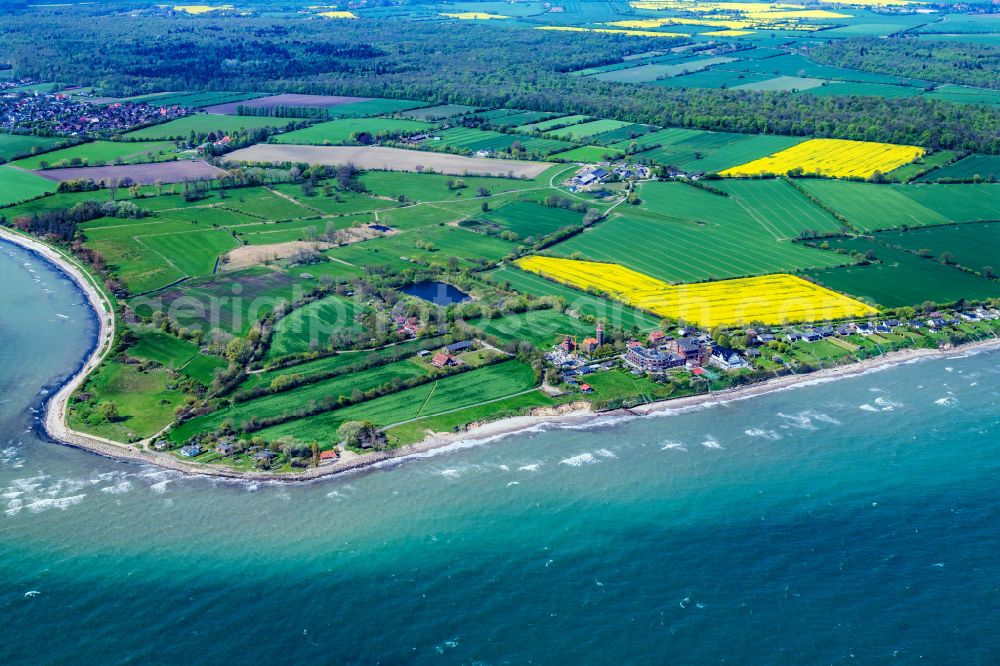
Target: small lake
column 437, row 293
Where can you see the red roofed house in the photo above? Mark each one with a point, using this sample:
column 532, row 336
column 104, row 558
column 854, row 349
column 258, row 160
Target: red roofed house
column 656, row 337
column 328, row 455
column 586, row 388
column 442, row 360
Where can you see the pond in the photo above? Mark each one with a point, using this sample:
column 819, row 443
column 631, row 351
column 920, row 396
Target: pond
column 438, row 293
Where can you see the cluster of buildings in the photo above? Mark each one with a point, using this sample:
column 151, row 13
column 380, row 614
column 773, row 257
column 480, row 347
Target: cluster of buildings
column 406, row 327
column 661, row 353
column 447, row 357
column 17, row 83
column 61, row 114
column 593, row 175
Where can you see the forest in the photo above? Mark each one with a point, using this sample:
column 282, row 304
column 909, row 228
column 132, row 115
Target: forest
column 432, row 61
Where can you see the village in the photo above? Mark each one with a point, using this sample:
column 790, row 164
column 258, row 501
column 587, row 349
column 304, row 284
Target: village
column 60, row 114
column 697, row 354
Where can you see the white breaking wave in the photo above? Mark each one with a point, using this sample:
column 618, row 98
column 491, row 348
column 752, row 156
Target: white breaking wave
column 711, row 444
column 947, row 401
column 582, row 459
column 763, row 434
column 118, row 488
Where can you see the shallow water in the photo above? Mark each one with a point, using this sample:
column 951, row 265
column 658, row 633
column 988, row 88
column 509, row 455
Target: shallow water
column 846, row 522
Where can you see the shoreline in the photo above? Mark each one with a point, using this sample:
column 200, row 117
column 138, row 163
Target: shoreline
column 54, row 425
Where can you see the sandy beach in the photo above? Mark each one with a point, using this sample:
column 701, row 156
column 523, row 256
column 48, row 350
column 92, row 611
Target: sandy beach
column 577, row 413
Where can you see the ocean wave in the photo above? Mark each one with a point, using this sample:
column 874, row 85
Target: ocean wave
column 118, row 488
column 533, row 467
column 670, row 445
column 711, row 444
column 45, row 504
column 582, row 459
column 947, row 401
column 762, row 433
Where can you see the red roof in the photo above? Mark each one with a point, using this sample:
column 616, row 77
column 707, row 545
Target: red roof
column 656, row 335
column 586, row 387
column 327, row 455
column 697, row 371
column 441, row 359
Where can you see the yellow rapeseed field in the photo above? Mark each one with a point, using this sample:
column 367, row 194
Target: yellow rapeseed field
column 771, row 299
column 200, row 9
column 838, row 158
column 615, row 31
column 338, row 15
column 473, row 16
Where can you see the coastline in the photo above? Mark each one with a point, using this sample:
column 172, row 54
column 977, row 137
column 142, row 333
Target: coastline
column 575, row 414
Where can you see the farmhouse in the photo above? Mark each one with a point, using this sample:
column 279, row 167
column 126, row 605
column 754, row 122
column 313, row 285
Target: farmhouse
column 443, row 360
column 190, row 451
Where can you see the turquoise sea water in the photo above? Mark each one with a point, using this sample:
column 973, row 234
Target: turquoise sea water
column 855, row 521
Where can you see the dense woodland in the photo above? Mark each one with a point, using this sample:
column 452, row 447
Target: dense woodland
column 443, row 62
column 942, row 62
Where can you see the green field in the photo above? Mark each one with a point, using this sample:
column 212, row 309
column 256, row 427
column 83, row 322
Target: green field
column 697, row 150
column 512, row 118
column 13, row 146
column 532, row 220
column 464, row 390
column 196, row 100
column 17, row 185
column 277, row 404
column 415, row 431
column 588, row 154
column 779, row 207
column 434, row 187
column 903, row 278
column 614, row 313
column 102, row 152
column 653, row 72
column 542, row 328
column 373, row 107
column 548, row 125
column 869, row 207
column 986, row 167
column 194, row 253
column 684, row 234
column 964, row 94
column 713, row 78
column 476, row 139
column 176, row 354
column 346, row 359
column 145, row 402
column 869, row 89
column 873, row 207
column 205, row 122
column 231, row 302
column 311, row 326
column 973, row 246
column 584, row 131
column 782, row 83
column 441, row 111
column 624, row 133
column 340, row 131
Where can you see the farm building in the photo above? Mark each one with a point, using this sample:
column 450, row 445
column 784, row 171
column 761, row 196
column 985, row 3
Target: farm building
column 443, row 360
